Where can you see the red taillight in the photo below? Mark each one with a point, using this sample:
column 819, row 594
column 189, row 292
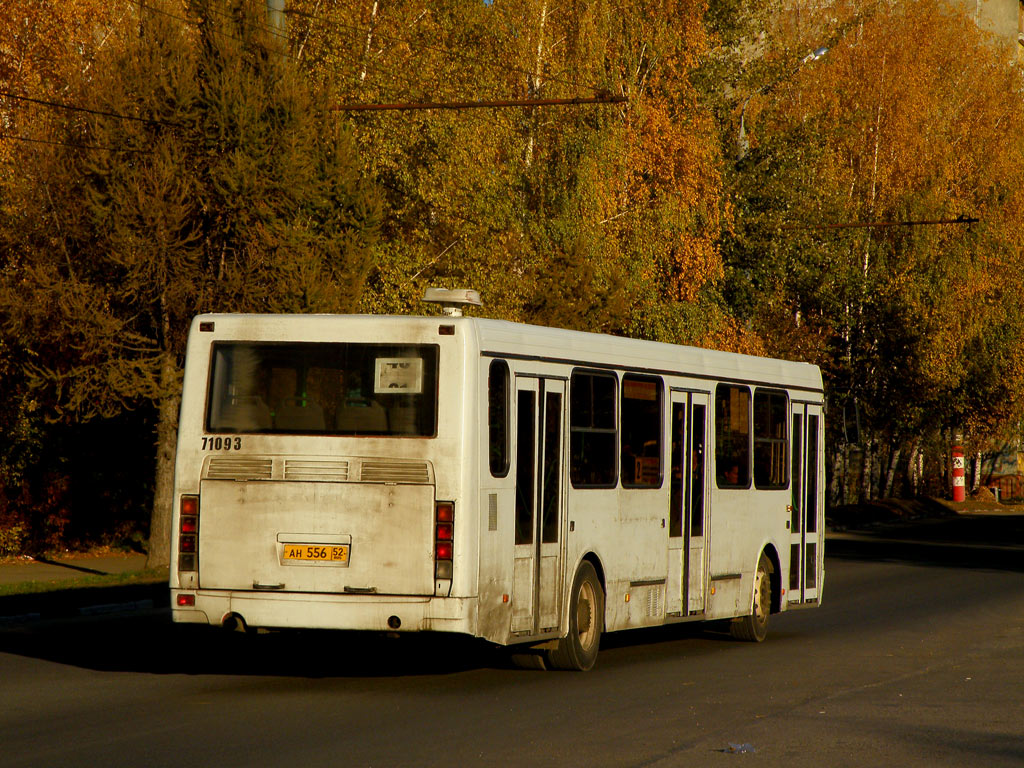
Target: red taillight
column 186, row 600
column 188, row 528
column 444, row 536
column 445, row 511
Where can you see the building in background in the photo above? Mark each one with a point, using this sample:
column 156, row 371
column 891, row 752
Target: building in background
column 1004, row 19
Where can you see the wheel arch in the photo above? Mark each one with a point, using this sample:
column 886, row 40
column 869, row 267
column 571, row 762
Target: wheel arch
column 775, row 575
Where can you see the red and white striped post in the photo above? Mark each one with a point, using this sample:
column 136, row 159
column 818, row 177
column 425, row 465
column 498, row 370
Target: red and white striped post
column 959, row 490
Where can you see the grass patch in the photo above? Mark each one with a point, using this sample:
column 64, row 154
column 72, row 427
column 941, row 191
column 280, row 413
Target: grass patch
column 85, row 581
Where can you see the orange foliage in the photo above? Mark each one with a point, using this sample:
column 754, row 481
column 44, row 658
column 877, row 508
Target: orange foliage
column 44, row 45
column 917, row 116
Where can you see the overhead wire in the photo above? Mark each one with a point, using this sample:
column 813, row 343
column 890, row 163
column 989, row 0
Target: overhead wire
column 360, row 60
column 100, row 112
column 71, row 145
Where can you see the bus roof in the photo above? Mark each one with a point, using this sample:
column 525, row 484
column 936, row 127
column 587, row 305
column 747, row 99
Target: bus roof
column 537, row 342
column 502, row 338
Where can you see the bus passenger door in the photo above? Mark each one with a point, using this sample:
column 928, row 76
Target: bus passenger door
column 688, row 509
column 540, row 501
column 805, row 508
column 697, row 508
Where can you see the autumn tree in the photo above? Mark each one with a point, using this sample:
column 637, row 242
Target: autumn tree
column 601, row 217
column 197, row 173
column 913, row 118
column 43, row 48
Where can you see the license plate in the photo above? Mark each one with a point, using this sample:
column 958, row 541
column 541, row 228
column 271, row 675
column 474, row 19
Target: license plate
column 316, row 553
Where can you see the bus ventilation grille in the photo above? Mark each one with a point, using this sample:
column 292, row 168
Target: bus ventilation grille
column 654, row 602
column 239, row 468
column 324, row 471
column 412, row 472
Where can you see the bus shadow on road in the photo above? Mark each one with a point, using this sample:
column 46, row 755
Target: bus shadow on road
column 152, row 644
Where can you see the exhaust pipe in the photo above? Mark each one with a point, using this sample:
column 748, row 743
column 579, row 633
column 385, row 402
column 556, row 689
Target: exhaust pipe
column 233, row 622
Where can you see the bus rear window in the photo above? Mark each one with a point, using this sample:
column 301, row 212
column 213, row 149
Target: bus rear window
column 323, row 389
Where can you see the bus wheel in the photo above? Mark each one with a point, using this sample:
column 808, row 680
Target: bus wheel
column 754, row 628
column 578, row 649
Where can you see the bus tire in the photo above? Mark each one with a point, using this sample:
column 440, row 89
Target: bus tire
column 753, row 628
column 578, row 649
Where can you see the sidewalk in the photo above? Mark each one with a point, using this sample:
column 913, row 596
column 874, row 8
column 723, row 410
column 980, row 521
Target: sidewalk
column 62, row 594
column 69, row 568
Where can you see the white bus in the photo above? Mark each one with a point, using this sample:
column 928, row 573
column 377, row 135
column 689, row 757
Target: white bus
column 531, row 486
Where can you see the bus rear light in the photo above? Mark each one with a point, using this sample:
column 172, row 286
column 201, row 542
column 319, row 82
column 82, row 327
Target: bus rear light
column 186, row 601
column 188, row 533
column 444, row 538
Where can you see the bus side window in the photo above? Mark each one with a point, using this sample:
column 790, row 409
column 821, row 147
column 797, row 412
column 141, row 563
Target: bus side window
column 641, row 431
column 497, row 417
column 732, row 436
column 592, row 430
column 771, row 443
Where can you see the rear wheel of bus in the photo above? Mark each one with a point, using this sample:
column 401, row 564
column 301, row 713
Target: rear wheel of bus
column 578, row 649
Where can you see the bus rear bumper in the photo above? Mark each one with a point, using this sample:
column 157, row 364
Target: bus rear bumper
column 308, row 611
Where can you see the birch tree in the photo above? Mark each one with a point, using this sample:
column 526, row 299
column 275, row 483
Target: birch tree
column 912, row 118
column 600, row 216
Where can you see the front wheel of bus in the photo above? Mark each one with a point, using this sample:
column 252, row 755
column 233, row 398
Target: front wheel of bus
column 578, row 649
column 754, row 628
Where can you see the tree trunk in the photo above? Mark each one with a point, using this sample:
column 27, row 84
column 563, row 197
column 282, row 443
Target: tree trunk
column 166, row 440
column 890, row 476
column 946, row 460
column 913, row 466
column 838, row 476
column 867, row 470
column 369, row 40
column 533, row 84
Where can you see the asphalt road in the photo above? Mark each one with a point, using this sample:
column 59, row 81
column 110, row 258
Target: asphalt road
column 907, row 663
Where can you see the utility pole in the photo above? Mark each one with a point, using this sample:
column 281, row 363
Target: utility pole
column 277, row 22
